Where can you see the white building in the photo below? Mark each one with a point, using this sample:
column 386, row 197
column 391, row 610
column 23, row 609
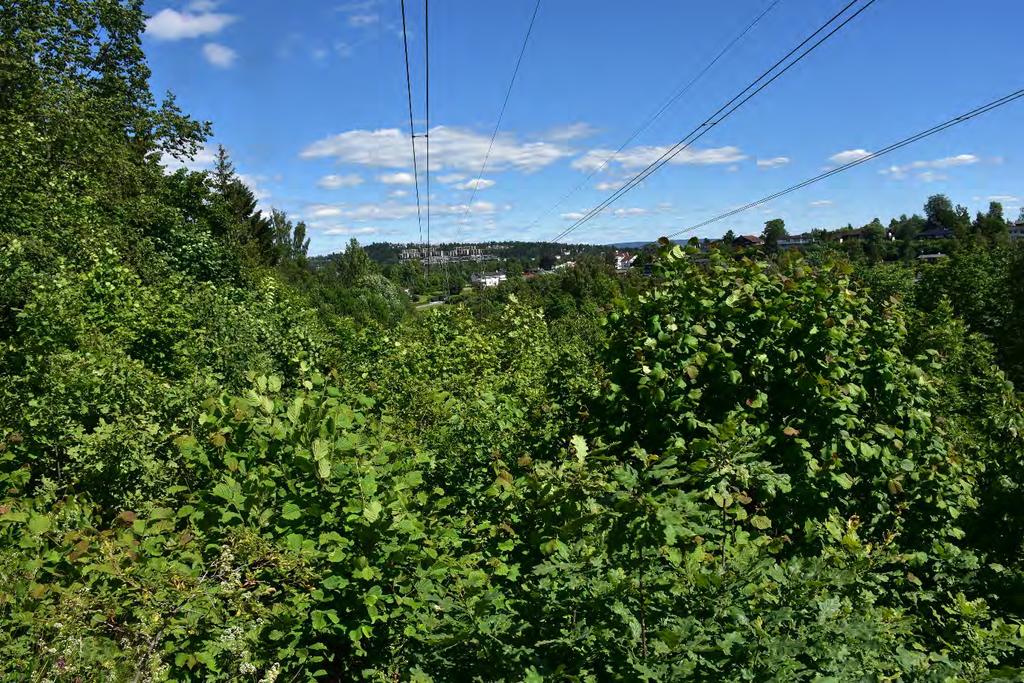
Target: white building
column 803, row 239
column 484, row 280
column 624, row 261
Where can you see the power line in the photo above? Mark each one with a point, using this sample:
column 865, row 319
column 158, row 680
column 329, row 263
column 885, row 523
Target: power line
column 412, row 132
column 723, row 112
column 426, row 135
column 984, row 109
column 501, row 115
column 711, row 121
column 671, row 100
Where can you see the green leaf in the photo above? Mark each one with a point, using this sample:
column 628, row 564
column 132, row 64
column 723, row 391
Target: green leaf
column 291, row 511
column 372, row 511
column 843, row 479
column 760, row 522
column 38, row 524
column 579, row 447
column 323, row 468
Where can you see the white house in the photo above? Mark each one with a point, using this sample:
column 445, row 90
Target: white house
column 483, row 280
column 624, row 261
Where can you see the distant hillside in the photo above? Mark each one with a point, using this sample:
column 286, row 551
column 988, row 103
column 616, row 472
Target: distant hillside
column 632, row 245
column 386, row 253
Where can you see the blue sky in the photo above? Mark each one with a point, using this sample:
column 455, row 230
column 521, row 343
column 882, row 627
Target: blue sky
column 309, row 97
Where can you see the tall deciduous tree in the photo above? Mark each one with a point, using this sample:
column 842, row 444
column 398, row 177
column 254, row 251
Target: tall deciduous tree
column 992, row 225
column 874, row 237
column 354, row 264
column 773, row 231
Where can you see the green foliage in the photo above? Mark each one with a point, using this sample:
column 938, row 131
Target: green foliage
column 983, row 286
column 774, row 230
column 221, row 461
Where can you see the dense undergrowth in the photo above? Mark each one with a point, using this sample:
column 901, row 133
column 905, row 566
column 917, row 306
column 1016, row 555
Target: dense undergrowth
column 739, row 470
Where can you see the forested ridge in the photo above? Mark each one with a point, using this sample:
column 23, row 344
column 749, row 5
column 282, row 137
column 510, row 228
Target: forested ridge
column 219, row 462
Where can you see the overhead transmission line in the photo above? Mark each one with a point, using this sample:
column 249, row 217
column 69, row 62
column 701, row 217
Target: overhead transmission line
column 426, row 134
column 412, row 130
column 501, row 115
column 725, row 110
column 962, row 118
column 657, row 114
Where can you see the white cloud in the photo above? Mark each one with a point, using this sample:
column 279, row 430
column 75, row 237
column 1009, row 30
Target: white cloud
column 219, row 55
column 609, row 185
column 573, row 215
column 958, row 160
column 362, row 20
column 572, row 131
column 398, row 193
column 773, row 162
column 476, row 184
column 334, row 182
column 203, row 5
column 931, row 176
column 1004, row 198
column 639, row 157
column 450, row 148
column 631, row 211
column 358, row 6
column 392, row 211
column 901, row 171
column 348, row 230
column 203, row 159
column 451, row 178
column 401, row 178
column 169, row 24
column 849, row 155
column 323, row 211
column 822, row 202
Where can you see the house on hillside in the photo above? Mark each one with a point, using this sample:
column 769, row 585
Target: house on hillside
column 747, row 241
column 624, row 261
column 1017, row 231
column 801, row 240
column 484, row 280
column 935, row 232
column 851, row 235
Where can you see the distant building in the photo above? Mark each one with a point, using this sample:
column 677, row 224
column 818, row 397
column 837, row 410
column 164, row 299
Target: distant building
column 1017, row 231
column 861, row 234
column 747, row 241
column 800, row 240
column 931, row 257
column 936, row 232
column 457, row 254
column 852, row 235
column 484, row 280
column 624, row 261
column 466, row 251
